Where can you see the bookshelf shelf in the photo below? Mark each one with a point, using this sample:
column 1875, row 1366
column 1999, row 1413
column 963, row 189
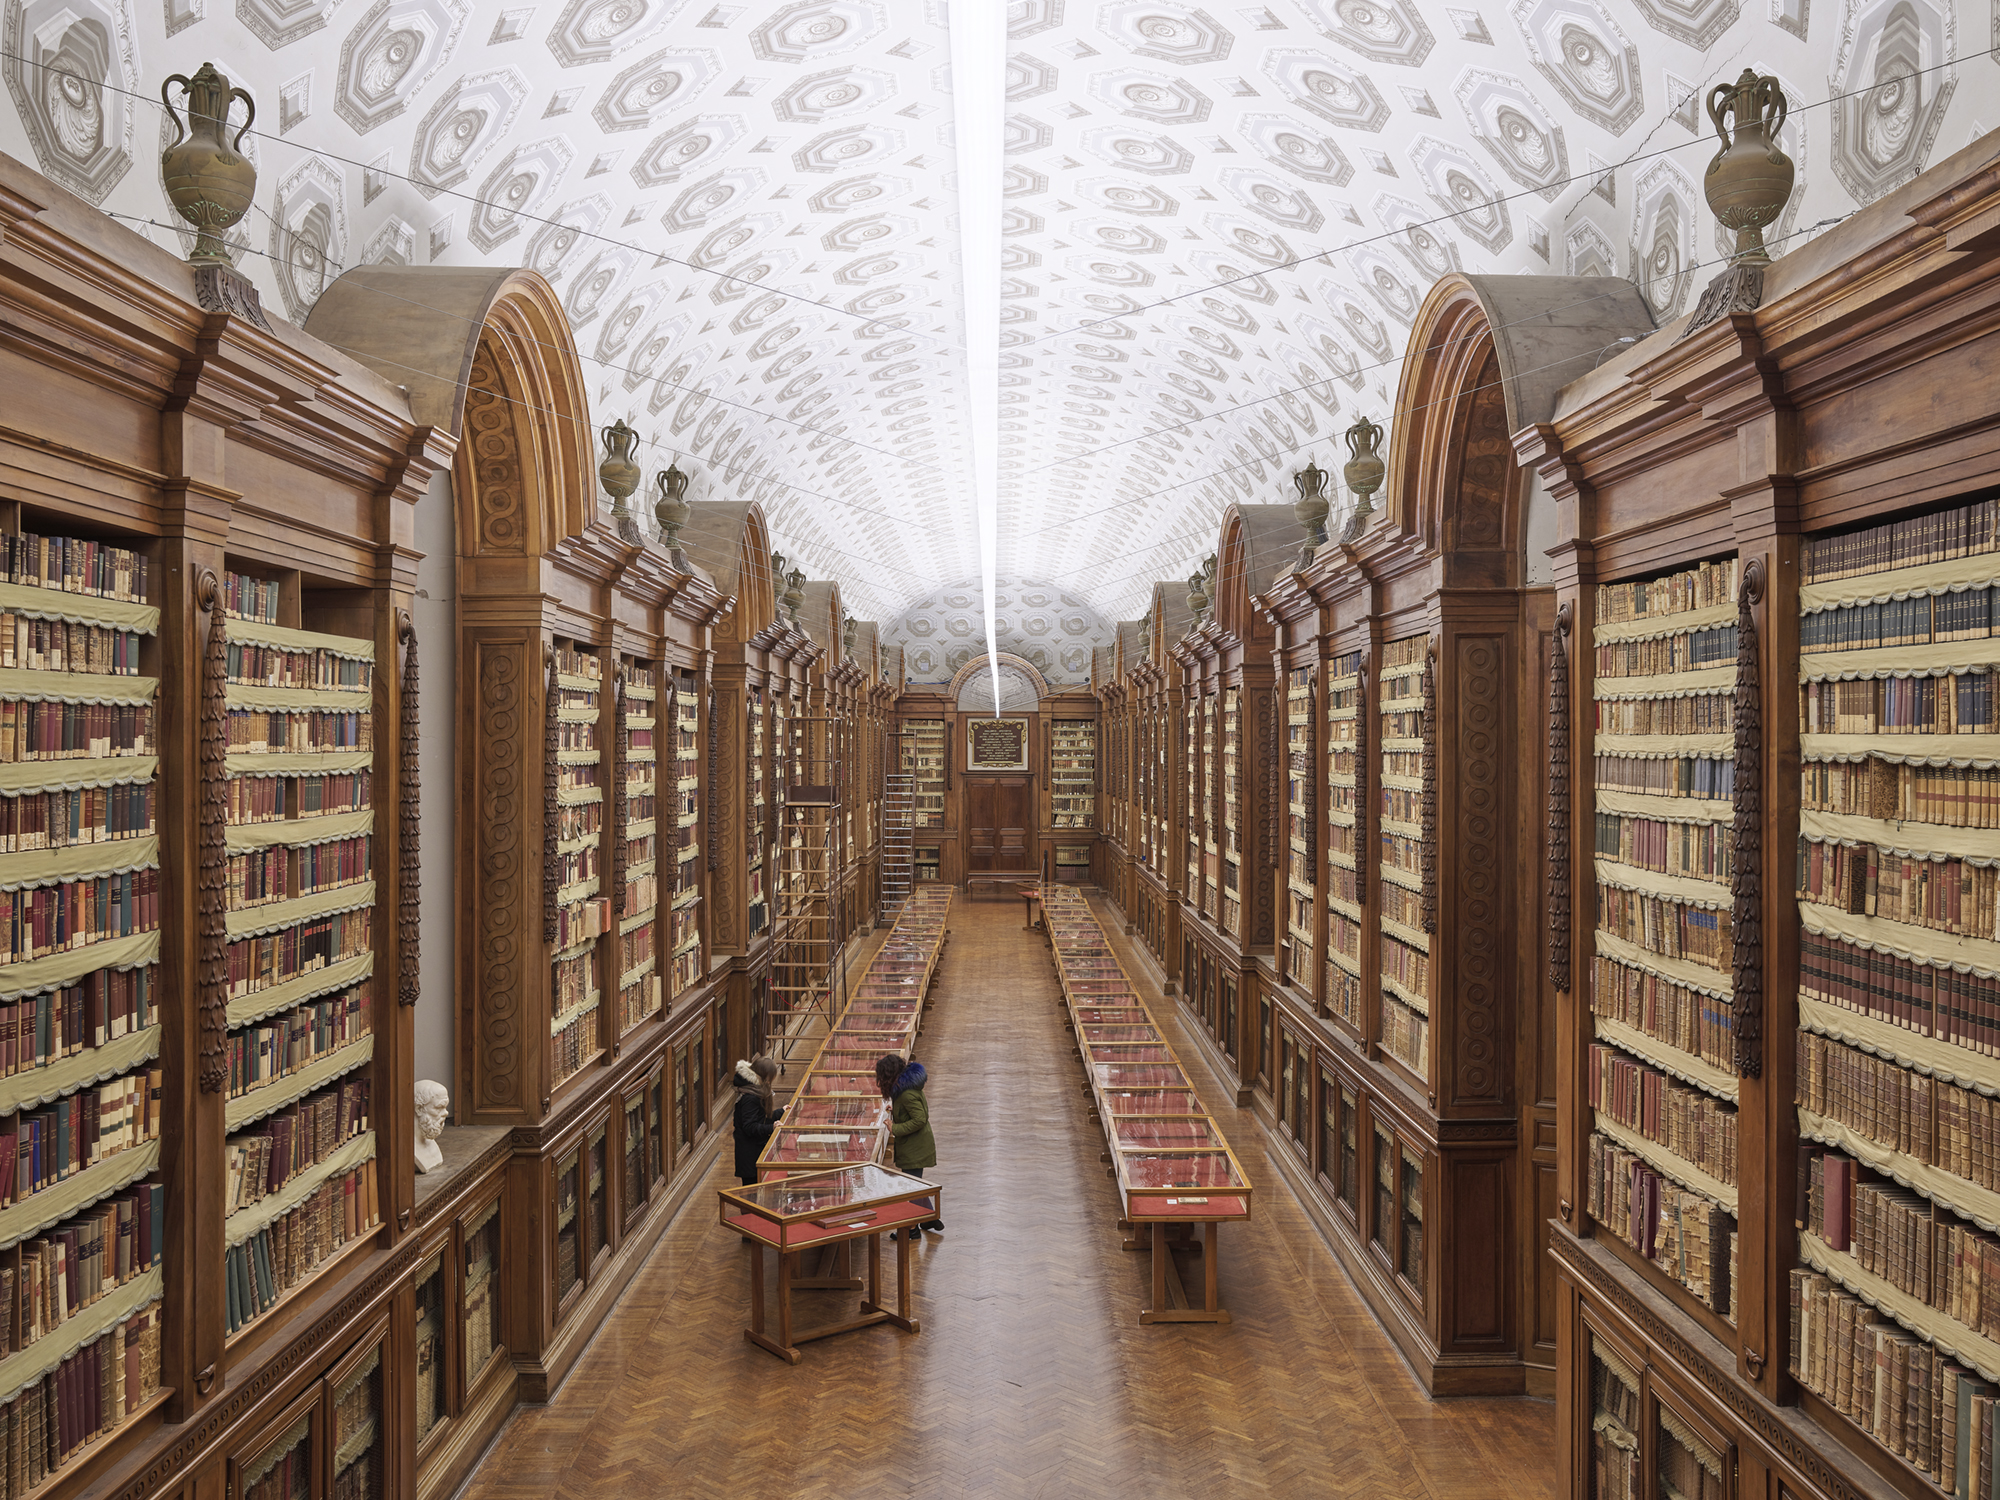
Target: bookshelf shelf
column 923, row 752
column 1073, row 774
column 582, row 915
column 1405, row 981
column 1301, row 848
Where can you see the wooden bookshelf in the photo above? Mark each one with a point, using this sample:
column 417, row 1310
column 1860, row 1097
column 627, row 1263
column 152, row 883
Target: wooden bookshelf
column 1660, row 1077
column 1073, row 774
column 644, row 713
column 1403, row 747
column 683, row 946
column 1346, row 820
column 581, row 914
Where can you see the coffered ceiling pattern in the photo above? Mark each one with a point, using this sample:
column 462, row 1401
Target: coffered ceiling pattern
column 1219, row 222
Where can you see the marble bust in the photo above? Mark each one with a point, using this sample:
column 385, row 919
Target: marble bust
column 433, row 1106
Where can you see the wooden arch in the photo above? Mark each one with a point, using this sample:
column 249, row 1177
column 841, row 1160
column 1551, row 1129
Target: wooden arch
column 485, row 354
column 1258, row 543
column 1487, row 356
column 732, row 542
column 1006, row 659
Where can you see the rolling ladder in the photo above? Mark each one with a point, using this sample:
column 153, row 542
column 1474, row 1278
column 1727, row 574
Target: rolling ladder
column 899, row 818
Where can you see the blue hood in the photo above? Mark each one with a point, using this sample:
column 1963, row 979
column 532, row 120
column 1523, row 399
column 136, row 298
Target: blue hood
column 912, row 1077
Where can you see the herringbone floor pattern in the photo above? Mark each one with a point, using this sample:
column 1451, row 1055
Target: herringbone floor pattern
column 1031, row 1377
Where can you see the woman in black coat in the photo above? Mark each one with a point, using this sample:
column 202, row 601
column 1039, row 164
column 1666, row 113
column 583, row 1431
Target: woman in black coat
column 757, row 1113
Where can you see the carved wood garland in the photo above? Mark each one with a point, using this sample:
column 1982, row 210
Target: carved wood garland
column 1360, row 853
column 614, row 788
column 409, row 843
column 211, row 848
column 551, row 781
column 1558, row 840
column 1430, row 809
column 1746, row 967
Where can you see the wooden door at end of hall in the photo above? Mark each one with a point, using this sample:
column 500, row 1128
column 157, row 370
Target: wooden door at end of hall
column 999, row 814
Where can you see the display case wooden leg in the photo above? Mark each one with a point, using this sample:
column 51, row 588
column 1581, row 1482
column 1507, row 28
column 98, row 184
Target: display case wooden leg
column 1160, row 1253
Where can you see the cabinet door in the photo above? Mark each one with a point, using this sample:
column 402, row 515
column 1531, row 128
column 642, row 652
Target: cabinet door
column 479, row 1290
column 357, row 1424
column 432, row 1316
column 278, row 1463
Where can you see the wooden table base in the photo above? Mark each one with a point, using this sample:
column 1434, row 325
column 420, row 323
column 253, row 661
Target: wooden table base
column 785, row 1345
column 1166, row 1273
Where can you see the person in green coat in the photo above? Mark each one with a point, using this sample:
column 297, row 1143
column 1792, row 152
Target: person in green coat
column 909, row 1122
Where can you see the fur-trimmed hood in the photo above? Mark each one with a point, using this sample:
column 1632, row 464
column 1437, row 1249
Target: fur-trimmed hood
column 912, row 1077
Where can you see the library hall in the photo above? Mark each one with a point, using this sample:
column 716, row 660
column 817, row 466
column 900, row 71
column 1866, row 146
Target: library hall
column 1000, row 748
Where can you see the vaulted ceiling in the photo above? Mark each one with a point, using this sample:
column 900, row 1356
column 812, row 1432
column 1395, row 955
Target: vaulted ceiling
column 1219, row 222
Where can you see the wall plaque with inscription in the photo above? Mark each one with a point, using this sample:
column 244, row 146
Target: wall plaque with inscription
column 996, row 744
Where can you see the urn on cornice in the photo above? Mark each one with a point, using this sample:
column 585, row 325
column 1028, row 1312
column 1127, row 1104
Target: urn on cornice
column 208, row 181
column 1751, row 177
column 848, row 628
column 671, row 509
column 1197, row 594
column 620, row 476
column 1364, row 472
column 1311, row 508
column 795, row 592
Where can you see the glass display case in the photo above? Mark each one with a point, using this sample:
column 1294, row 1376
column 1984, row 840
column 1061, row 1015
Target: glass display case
column 433, row 1316
column 481, row 1292
column 1073, row 775
column 810, row 1208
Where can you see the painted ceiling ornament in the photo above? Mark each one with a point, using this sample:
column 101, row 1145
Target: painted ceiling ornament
column 209, row 182
column 1364, row 473
column 620, row 476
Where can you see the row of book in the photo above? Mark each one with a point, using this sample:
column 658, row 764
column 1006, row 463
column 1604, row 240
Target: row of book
column 33, row 729
column 66, row 1271
column 43, row 1028
column 1944, row 895
column 575, row 778
column 278, row 873
column 277, row 1258
column 1688, row 651
column 1343, row 934
column 32, row 645
column 578, row 864
column 247, row 598
column 1399, row 903
column 1614, row 1438
column 1944, row 536
column 72, row 914
column 1694, row 1125
column 272, row 799
column 1402, row 851
column 1919, row 1247
column 1960, row 704
column 1690, row 1020
column 1705, row 776
column 579, row 822
column 1688, row 1236
column 581, row 921
column 1946, row 796
column 274, row 958
column 1407, row 964
column 250, row 665
column 42, row 1147
column 1343, row 994
column 1686, row 713
column 280, row 1045
column 1908, row 1396
column 574, row 983
column 262, row 1158
column 1402, row 806
column 35, row 821
column 1921, row 621
column 257, row 731
column 1873, row 1096
column 1699, row 851
column 74, row 565
column 1963, row 1009
column 1702, row 586
column 1406, row 1035
column 576, row 736
column 1672, row 929
column 573, row 1045
column 572, row 662
column 80, row 1401
column 1403, row 724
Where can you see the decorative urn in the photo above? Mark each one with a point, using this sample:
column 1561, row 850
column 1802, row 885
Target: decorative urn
column 1364, row 472
column 1312, row 506
column 1197, row 595
column 207, row 181
column 795, row 592
column 619, row 474
column 671, row 509
column 1751, row 177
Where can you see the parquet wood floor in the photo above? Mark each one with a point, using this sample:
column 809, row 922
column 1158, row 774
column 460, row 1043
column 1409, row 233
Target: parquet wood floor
column 1031, row 1377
